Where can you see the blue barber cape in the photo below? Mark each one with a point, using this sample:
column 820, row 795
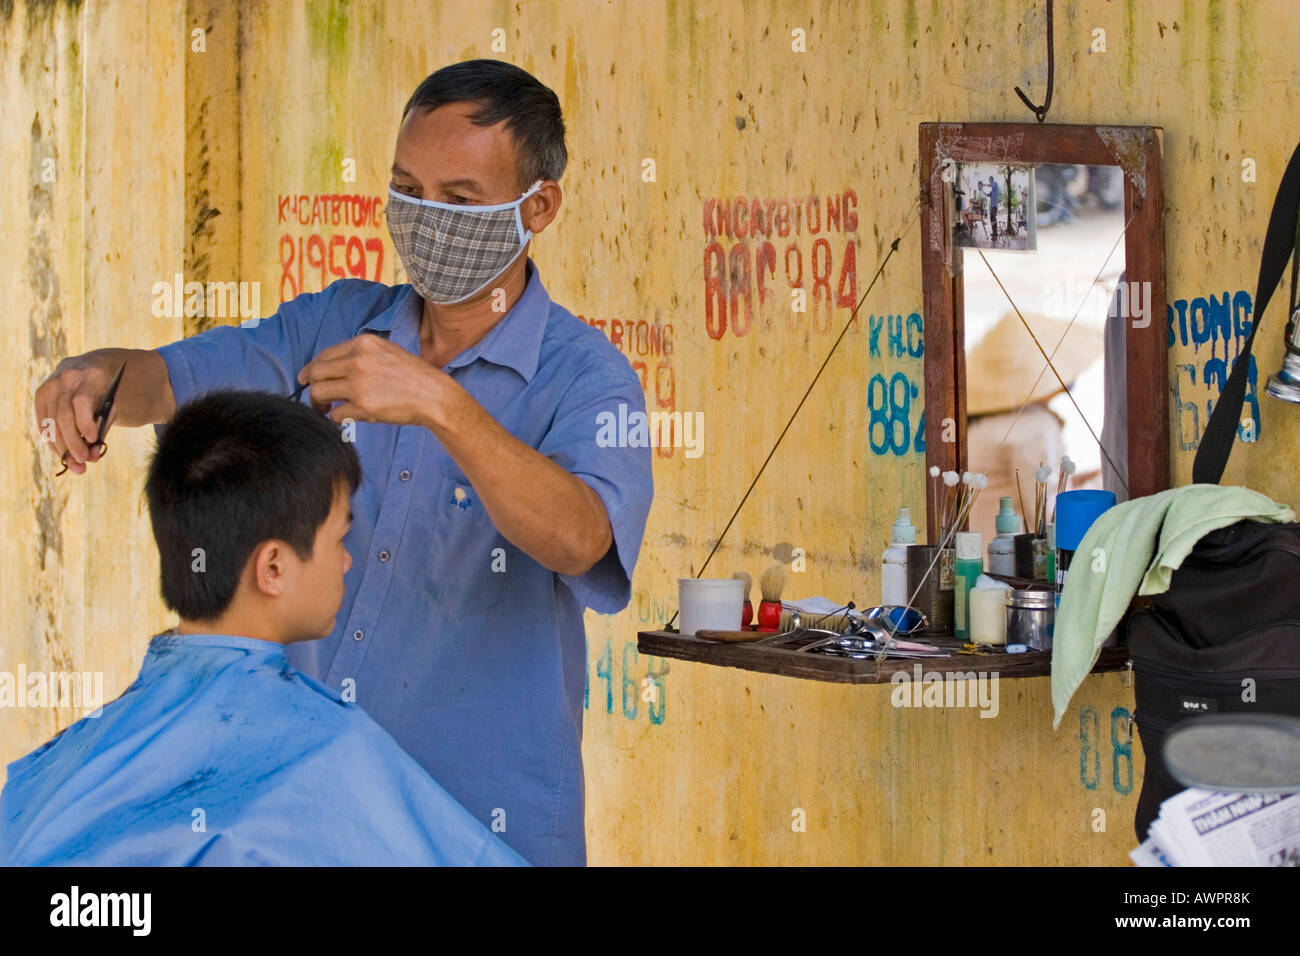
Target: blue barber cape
column 223, row 754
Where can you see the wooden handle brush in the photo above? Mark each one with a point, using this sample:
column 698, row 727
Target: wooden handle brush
column 731, row 637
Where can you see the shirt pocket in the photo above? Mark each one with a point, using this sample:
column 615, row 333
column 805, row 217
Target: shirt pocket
column 467, row 556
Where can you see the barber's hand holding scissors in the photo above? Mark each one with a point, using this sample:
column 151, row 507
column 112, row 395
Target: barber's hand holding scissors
column 75, row 407
column 370, row 379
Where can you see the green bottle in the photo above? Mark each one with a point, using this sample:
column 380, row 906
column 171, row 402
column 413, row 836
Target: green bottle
column 1051, row 562
column 967, row 568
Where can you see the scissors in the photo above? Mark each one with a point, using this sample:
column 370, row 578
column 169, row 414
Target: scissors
column 102, row 412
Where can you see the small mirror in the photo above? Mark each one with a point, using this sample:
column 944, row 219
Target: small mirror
column 1038, row 242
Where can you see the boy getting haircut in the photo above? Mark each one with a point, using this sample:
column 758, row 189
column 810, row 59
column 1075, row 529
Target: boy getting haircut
column 221, row 753
column 232, row 470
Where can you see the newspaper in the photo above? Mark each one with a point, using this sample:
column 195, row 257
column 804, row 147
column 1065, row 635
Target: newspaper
column 1204, row 828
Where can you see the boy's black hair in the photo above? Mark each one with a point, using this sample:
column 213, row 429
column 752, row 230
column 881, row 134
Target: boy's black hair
column 234, row 469
column 504, row 92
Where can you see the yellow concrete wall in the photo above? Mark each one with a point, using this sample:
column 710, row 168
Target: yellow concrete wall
column 94, row 147
column 176, row 159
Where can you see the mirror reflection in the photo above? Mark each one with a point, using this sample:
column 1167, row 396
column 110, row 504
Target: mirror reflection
column 1047, row 238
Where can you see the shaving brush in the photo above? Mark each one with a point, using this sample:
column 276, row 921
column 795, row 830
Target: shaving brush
column 769, row 611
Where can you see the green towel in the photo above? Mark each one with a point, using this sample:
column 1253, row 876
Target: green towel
column 1100, row 584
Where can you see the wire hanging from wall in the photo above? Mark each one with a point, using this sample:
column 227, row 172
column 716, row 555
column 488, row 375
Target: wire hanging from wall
column 1041, row 111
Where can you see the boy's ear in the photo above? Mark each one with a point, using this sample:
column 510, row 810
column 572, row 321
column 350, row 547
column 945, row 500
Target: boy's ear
column 267, row 565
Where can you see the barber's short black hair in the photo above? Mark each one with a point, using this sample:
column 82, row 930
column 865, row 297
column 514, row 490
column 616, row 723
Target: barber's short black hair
column 504, row 92
column 232, row 470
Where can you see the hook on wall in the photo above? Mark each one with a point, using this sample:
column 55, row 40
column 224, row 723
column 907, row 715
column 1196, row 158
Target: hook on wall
column 1041, row 111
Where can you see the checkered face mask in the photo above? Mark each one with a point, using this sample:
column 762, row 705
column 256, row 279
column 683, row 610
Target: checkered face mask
column 452, row 251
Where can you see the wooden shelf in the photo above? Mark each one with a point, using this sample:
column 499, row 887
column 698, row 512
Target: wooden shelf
column 787, row 662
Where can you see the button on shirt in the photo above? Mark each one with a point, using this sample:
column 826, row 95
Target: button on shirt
column 470, row 653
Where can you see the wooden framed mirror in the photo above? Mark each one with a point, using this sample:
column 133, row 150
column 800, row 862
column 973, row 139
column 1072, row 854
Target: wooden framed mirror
column 977, row 199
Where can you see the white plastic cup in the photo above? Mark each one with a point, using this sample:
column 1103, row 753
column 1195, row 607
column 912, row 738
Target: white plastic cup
column 710, row 604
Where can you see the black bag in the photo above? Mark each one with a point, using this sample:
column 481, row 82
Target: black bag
column 1225, row 637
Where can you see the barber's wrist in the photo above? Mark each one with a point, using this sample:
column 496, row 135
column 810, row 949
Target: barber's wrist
column 440, row 412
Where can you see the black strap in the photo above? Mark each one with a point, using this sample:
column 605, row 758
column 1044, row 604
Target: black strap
column 1221, row 429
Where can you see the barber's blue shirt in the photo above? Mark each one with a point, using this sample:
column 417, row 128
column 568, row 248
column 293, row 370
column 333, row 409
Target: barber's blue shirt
column 470, row 653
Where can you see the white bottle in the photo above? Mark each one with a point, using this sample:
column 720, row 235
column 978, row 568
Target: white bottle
column 893, row 563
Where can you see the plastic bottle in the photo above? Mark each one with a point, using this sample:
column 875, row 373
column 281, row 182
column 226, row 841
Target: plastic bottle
column 967, row 568
column 893, row 563
column 1002, row 550
column 1075, row 513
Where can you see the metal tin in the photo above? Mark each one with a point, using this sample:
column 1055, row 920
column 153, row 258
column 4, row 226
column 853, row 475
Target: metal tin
column 1286, row 383
column 1031, row 618
column 1031, row 556
column 931, row 582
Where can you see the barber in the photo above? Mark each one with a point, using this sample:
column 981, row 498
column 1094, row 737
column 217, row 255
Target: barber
column 488, row 516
